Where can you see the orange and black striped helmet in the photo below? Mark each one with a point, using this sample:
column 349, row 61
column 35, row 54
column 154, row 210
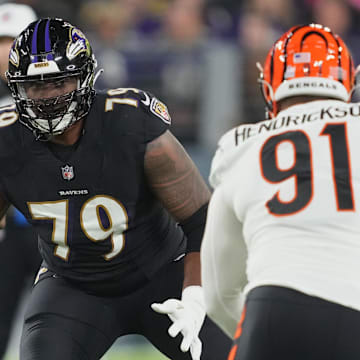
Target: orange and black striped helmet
column 307, row 60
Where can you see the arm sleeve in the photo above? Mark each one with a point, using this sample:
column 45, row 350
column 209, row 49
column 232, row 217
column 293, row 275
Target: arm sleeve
column 223, row 262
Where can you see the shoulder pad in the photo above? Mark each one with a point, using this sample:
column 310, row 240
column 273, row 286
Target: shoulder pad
column 223, row 157
column 8, row 118
column 140, row 111
column 138, row 99
column 8, row 115
column 11, row 151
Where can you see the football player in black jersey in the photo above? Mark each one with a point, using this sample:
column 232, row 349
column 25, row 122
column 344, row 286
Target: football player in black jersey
column 19, row 256
column 117, row 203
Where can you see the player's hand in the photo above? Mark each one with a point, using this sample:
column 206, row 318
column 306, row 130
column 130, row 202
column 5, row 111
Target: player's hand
column 187, row 315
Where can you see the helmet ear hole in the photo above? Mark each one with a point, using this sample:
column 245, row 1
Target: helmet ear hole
column 52, row 49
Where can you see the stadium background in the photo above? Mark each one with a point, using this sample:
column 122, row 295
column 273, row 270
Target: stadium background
column 199, row 57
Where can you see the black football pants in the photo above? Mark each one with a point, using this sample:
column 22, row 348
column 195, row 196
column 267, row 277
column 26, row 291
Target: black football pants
column 284, row 324
column 63, row 322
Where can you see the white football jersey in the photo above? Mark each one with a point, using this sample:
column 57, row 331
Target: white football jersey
column 294, row 184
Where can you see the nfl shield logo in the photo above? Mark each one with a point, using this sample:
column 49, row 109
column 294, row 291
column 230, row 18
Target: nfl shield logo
column 67, row 172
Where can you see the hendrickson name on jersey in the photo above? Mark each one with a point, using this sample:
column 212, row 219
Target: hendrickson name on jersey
column 244, row 132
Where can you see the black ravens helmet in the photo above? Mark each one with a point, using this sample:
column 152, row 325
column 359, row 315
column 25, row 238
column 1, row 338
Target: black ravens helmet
column 51, row 50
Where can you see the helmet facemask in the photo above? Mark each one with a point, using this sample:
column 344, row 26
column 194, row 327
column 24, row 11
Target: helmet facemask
column 52, row 116
column 267, row 93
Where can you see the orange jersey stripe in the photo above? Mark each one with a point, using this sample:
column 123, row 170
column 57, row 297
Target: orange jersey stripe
column 232, row 353
column 239, row 328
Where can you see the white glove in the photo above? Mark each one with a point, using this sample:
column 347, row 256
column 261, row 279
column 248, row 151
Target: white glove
column 187, row 315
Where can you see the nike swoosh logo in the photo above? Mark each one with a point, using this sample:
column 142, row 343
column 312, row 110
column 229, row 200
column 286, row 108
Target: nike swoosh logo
column 179, row 257
column 146, row 102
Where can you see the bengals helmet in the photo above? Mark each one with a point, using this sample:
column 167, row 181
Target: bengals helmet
column 307, row 60
column 51, row 50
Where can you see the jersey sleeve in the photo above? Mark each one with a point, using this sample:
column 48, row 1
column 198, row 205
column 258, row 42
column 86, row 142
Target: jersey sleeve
column 157, row 117
column 139, row 111
column 219, row 162
column 219, row 259
column 133, row 111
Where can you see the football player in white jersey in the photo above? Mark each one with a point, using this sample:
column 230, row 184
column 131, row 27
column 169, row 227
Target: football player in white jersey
column 287, row 198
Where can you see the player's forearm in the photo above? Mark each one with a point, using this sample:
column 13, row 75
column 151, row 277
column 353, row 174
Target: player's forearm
column 192, row 269
column 222, row 287
column 223, row 264
column 223, row 302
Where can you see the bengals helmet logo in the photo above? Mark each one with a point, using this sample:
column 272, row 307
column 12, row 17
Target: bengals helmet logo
column 307, row 60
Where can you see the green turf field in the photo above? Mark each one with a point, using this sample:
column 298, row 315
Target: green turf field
column 140, row 353
column 143, row 353
column 137, row 348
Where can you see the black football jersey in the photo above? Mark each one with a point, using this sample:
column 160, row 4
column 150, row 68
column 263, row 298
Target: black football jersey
column 99, row 224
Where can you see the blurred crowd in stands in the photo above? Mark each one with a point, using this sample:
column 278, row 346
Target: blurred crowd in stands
column 198, row 56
